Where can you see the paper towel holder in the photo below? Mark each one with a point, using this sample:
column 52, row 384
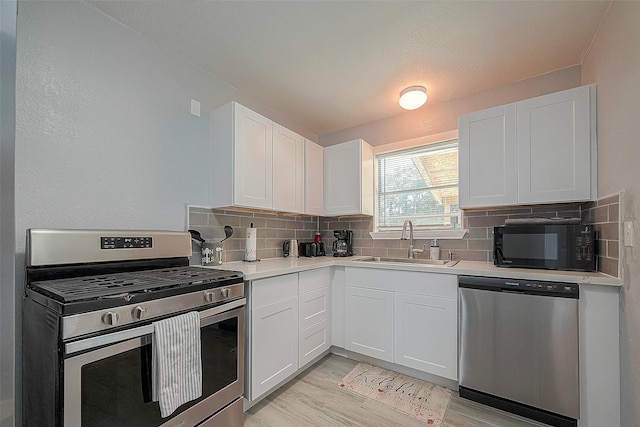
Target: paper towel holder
column 251, row 240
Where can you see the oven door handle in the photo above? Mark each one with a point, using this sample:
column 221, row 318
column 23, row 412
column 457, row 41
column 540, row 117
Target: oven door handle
column 141, row 331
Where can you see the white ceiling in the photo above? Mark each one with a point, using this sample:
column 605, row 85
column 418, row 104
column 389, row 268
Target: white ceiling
column 331, row 65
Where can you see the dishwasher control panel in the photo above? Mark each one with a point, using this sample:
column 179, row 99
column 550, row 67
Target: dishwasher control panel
column 532, row 287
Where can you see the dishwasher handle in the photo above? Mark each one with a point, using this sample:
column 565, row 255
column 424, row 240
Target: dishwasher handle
column 521, row 286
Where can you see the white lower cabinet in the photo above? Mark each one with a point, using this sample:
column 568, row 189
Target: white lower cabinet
column 405, row 317
column 426, row 334
column 314, row 315
column 289, row 327
column 369, row 322
column 274, row 336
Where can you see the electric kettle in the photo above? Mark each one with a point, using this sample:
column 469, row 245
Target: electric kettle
column 290, row 248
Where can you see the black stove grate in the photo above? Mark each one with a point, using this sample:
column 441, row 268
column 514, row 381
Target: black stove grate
column 114, row 285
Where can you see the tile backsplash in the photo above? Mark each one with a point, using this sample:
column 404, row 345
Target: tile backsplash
column 273, row 230
column 477, row 244
column 604, row 214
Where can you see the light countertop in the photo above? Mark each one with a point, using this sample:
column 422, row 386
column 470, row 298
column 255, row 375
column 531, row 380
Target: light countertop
column 278, row 266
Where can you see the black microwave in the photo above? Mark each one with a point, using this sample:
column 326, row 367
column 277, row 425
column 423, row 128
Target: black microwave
column 554, row 247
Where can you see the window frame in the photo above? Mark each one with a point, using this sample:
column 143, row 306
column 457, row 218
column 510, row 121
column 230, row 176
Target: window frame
column 432, row 233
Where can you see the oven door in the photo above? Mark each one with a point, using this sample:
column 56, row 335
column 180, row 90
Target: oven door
column 107, row 379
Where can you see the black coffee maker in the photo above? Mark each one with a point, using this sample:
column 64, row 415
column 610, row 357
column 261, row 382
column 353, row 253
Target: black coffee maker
column 343, row 245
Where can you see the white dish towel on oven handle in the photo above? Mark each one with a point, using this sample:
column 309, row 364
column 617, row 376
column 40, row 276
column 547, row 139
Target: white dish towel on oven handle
column 177, row 361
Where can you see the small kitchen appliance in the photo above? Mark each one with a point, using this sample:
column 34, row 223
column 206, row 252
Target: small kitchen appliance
column 549, row 246
column 290, row 248
column 91, row 300
column 343, row 245
column 312, row 249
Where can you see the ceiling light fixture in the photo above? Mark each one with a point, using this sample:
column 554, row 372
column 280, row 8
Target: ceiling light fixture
column 413, row 97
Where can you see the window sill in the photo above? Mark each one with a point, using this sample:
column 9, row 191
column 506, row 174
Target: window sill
column 420, row 234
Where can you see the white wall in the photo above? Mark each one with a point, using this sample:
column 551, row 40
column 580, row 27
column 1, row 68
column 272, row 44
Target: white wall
column 7, row 211
column 613, row 63
column 104, row 135
column 437, row 118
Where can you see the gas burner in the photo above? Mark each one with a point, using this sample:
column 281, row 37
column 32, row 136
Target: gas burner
column 115, row 285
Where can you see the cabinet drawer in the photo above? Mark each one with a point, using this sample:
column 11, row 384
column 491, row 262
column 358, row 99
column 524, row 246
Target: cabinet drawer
column 313, row 341
column 273, row 289
column 413, row 282
column 314, row 279
column 314, row 306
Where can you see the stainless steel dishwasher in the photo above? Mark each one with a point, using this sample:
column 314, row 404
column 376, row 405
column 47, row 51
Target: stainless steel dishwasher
column 519, row 347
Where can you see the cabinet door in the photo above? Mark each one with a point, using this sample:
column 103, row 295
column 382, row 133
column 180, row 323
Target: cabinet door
column 554, row 147
column 314, row 340
column 288, row 170
column 313, row 178
column 252, row 159
column 487, row 158
column 348, row 172
column 274, row 345
column 369, row 322
column 426, row 334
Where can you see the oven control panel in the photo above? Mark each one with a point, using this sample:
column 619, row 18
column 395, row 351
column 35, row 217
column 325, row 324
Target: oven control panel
column 216, row 299
column 125, row 242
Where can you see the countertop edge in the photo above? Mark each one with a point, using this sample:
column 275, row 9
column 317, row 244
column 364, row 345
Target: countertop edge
column 279, row 266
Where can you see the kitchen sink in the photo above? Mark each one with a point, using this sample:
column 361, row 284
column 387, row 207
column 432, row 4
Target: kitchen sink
column 438, row 262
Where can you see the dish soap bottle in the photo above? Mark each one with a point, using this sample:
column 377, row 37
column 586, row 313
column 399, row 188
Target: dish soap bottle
column 434, row 252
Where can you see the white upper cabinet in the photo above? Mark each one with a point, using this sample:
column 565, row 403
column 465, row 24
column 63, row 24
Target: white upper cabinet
column 313, row 178
column 255, row 163
column 540, row 150
column 348, row 179
column 556, row 146
column 288, row 170
column 487, row 157
column 241, row 158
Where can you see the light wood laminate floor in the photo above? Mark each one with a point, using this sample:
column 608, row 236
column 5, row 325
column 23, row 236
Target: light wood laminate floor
column 313, row 399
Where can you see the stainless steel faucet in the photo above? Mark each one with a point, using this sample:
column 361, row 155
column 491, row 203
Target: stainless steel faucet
column 411, row 251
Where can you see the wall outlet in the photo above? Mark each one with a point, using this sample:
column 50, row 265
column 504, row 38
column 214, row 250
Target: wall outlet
column 628, row 233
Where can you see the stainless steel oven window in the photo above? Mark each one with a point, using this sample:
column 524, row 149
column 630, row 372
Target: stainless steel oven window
column 109, row 385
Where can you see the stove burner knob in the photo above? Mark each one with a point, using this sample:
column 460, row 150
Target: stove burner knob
column 139, row 312
column 225, row 292
column 111, row 318
column 210, row 296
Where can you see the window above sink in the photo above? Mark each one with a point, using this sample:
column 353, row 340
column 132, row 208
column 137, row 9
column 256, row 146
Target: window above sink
column 418, row 180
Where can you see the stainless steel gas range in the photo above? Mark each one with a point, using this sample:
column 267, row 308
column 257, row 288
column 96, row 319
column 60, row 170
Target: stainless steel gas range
column 91, row 298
